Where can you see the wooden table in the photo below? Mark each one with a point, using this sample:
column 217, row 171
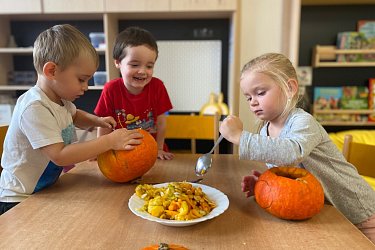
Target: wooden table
column 84, row 210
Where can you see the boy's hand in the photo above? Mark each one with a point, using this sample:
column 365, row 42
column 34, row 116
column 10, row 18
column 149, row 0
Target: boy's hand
column 231, row 128
column 248, row 182
column 106, row 122
column 162, row 155
column 123, row 139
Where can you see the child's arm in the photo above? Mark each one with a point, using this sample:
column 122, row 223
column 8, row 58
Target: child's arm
column 161, row 127
column 64, row 155
column 82, row 119
column 231, row 128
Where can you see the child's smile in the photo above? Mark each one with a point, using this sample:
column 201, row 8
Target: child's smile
column 137, row 67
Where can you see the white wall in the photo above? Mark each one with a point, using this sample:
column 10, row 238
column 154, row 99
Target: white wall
column 264, row 29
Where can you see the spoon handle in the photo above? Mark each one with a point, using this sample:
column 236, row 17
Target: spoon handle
column 216, row 143
column 83, row 137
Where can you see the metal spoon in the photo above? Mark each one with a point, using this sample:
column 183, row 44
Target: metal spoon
column 140, row 181
column 205, row 161
column 84, row 135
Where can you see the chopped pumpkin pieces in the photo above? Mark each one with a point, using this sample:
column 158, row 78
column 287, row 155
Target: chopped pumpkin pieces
column 176, row 201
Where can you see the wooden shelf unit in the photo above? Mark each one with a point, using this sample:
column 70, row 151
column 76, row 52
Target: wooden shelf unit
column 347, row 123
column 345, row 111
column 325, row 56
column 27, row 87
column 336, row 2
column 109, row 11
column 29, row 51
column 6, row 59
column 348, row 112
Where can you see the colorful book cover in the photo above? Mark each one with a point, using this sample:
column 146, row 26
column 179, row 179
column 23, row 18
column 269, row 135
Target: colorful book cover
column 327, row 97
column 367, row 27
column 371, row 98
column 354, row 97
column 350, row 40
column 348, row 97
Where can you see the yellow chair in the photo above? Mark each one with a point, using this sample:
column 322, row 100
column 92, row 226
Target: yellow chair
column 3, row 131
column 360, row 155
column 359, row 135
column 193, row 127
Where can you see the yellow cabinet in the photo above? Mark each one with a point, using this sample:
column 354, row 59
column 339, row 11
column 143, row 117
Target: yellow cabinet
column 20, row 6
column 73, row 6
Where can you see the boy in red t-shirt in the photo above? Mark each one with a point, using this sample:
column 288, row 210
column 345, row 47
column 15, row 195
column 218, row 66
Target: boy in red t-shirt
column 137, row 100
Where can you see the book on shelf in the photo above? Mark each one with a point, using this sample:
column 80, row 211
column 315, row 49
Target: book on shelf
column 339, row 98
column 341, row 117
column 327, row 97
column 367, row 27
column 354, row 97
column 371, row 98
column 351, row 40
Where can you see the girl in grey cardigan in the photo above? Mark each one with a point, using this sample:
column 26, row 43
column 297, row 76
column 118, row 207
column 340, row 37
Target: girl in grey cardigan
column 291, row 136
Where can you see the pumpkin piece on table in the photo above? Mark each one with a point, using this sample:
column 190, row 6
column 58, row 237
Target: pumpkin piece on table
column 289, row 193
column 126, row 165
column 165, row 246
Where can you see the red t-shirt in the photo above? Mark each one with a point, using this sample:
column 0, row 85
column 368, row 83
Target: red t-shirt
column 134, row 111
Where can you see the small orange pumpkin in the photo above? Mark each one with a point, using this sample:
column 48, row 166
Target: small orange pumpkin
column 126, row 165
column 290, row 193
column 165, row 246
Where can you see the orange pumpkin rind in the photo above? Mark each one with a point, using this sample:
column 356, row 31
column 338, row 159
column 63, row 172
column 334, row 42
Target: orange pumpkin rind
column 290, row 193
column 126, row 165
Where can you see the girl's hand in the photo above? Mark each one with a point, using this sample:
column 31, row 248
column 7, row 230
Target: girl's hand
column 231, row 128
column 123, row 139
column 248, row 182
column 162, row 155
column 106, row 122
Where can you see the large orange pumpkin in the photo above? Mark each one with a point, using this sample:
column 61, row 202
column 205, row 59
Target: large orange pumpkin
column 126, row 165
column 289, row 193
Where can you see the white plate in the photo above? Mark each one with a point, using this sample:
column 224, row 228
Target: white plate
column 220, row 199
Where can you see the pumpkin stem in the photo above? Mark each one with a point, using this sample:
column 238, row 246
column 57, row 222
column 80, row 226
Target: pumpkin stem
column 302, row 180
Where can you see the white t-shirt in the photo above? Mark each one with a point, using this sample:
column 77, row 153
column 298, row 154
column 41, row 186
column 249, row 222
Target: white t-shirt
column 36, row 122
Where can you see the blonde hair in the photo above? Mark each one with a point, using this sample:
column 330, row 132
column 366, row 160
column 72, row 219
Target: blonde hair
column 280, row 69
column 61, row 44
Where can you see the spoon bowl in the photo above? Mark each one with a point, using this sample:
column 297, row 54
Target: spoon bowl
column 205, row 161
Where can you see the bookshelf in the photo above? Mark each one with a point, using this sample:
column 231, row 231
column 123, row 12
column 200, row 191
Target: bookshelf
column 28, row 52
column 25, row 23
column 325, row 56
column 345, row 111
column 317, row 112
